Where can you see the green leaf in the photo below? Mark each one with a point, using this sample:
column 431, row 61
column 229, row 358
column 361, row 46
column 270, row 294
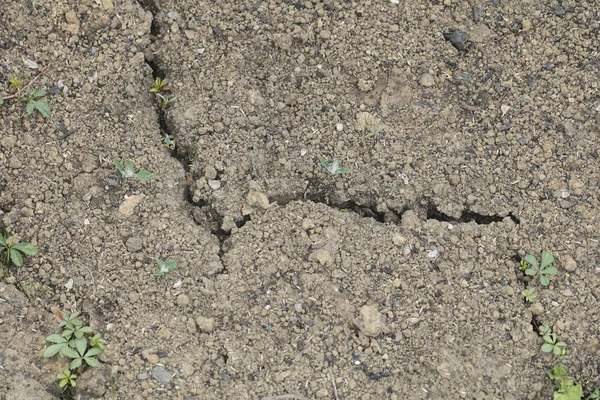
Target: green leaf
column 129, row 165
column 76, row 363
column 324, row 162
column 557, row 372
column 530, row 272
column 547, row 347
column 557, row 350
column 3, row 240
column 43, row 108
column 91, row 361
column 26, row 248
column 171, row 264
column 529, row 259
column 39, row 93
column 86, row 329
column 550, row 270
column 53, row 349
column 547, row 258
column 94, row 351
column 56, row 339
column 144, row 175
column 118, row 165
column 544, row 281
column 1, row 100
column 16, row 257
column 81, row 345
column 30, row 107
column 342, row 170
column 67, row 351
column 67, row 333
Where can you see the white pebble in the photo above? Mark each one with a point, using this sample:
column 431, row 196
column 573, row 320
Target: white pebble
column 432, row 254
column 339, row 127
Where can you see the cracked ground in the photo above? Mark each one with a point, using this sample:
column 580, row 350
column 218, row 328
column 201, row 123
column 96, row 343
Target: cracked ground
column 396, row 280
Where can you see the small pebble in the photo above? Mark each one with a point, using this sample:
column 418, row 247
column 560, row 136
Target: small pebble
column 339, row 127
column 457, row 38
column 432, row 254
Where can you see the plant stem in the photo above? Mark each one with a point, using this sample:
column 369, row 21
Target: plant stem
column 19, row 91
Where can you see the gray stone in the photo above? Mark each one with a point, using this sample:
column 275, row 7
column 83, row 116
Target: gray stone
column 134, row 244
column 161, row 374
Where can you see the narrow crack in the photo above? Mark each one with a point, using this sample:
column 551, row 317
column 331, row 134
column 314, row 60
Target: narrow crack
column 467, row 216
column 208, row 215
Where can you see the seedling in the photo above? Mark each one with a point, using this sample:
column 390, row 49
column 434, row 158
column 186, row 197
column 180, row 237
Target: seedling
column 529, row 294
column 552, row 344
column 75, row 343
column 594, row 395
column 164, row 101
column 128, row 171
column 67, row 379
column 169, row 143
column 542, row 271
column 11, row 249
column 31, row 98
column 376, row 132
column 567, row 389
column 160, row 85
column 335, row 167
column 164, row 268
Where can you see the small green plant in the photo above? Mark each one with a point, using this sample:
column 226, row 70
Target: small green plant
column 567, row 389
column 164, row 101
column 335, row 167
column 523, row 266
column 31, row 97
column 551, row 342
column 375, row 133
column 594, row 395
column 76, row 343
column 529, row 294
column 169, row 143
column 67, row 379
column 542, row 271
column 128, row 171
column 11, row 249
column 160, row 85
column 164, row 268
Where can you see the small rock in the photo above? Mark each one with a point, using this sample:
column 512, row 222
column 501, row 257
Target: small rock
column 325, row 34
column 339, row 127
column 161, row 374
column 14, row 162
column 432, row 254
column 398, row 239
column 569, row 263
column 280, row 376
column 173, row 15
column 298, row 307
column 142, row 376
column 71, row 18
column 569, row 128
column 322, row 256
column 134, row 244
column 127, row 207
column 559, row 10
column 457, row 38
column 427, row 80
column 183, row 300
column 257, row 199
column 370, row 321
column 206, row 324
column 567, row 292
column 210, row 172
column 322, row 393
column 526, row 24
column 218, row 127
column 214, row 184
column 478, row 13
column 106, row 4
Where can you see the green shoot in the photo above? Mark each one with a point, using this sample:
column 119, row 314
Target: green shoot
column 529, row 294
column 567, row 389
column 12, row 250
column 164, row 268
column 127, row 171
column 376, row 132
column 160, row 85
column 335, row 167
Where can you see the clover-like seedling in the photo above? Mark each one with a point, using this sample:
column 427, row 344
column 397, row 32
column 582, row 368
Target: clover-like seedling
column 335, row 167
column 567, row 389
column 164, row 268
column 11, row 249
column 74, row 343
column 127, row 171
column 543, row 270
column 552, row 344
column 160, row 85
column 529, row 294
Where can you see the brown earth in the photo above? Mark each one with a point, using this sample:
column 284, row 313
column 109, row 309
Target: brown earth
column 396, row 280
